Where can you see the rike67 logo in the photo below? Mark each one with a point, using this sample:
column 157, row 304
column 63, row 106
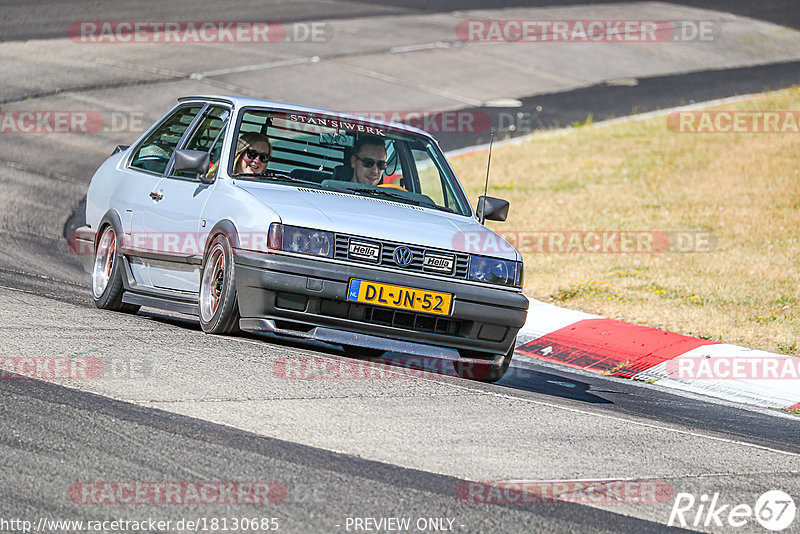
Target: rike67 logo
column 775, row 510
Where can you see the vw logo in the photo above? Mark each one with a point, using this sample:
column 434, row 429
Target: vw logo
column 403, row 256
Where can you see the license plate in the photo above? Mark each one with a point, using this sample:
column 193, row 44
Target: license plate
column 400, row 297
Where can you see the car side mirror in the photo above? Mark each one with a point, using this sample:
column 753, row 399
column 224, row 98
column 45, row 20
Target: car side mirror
column 193, row 161
column 494, row 209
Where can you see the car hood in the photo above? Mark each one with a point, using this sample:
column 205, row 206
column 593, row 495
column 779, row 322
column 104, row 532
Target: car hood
column 379, row 219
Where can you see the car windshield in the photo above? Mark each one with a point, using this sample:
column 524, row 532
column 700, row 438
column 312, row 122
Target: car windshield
column 345, row 155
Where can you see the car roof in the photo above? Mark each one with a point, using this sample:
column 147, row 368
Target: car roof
column 241, row 101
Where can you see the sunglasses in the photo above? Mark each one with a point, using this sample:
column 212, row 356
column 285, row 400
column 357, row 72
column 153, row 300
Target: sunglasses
column 369, row 162
column 252, row 154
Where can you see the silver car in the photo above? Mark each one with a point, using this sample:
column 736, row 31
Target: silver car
column 253, row 215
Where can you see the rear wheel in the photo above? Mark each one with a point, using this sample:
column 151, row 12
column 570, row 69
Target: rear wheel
column 107, row 288
column 219, row 309
column 483, row 372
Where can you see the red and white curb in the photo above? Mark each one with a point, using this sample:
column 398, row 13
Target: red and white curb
column 615, row 348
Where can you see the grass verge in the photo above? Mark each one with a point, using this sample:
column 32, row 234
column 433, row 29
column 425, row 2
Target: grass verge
column 743, row 190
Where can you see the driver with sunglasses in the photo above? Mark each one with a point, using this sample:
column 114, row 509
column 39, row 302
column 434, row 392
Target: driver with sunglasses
column 368, row 160
column 253, row 152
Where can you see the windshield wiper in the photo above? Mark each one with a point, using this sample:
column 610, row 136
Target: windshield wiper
column 278, row 176
column 444, row 208
column 385, row 194
column 425, row 202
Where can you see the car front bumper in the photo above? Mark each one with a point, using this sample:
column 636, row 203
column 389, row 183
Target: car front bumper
column 307, row 297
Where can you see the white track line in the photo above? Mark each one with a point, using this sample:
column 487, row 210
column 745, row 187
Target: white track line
column 249, row 68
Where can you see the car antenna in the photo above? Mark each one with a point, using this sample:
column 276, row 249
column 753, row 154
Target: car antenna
column 486, row 185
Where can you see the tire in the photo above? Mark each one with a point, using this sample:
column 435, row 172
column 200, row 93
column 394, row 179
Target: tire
column 484, row 372
column 219, row 308
column 355, row 351
column 107, row 288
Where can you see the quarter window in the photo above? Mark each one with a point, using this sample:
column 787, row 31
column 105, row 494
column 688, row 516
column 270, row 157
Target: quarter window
column 207, row 137
column 156, row 150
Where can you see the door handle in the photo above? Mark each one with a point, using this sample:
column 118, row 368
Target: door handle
column 156, row 196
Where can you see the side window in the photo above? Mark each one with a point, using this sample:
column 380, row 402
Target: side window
column 393, row 173
column 430, row 166
column 430, row 181
column 208, row 135
column 156, row 150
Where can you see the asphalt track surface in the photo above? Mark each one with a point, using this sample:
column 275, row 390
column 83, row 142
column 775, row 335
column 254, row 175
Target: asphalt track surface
column 201, row 412
column 605, row 101
column 38, row 19
column 323, row 488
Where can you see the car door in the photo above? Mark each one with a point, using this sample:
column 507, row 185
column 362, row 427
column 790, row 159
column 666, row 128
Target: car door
column 179, row 199
column 144, row 171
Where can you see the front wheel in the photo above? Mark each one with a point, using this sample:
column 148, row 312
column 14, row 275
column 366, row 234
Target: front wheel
column 219, row 309
column 484, row 372
column 107, row 288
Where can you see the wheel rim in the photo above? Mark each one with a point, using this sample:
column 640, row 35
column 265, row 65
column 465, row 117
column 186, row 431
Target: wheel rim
column 104, row 262
column 213, row 283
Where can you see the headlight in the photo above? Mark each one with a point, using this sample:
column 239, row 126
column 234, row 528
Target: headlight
column 495, row 271
column 300, row 240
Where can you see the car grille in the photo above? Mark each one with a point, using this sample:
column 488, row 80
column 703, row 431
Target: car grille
column 386, row 257
column 417, row 322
